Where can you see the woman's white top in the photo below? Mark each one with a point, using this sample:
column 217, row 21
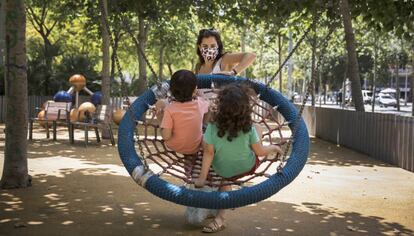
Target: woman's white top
column 217, row 68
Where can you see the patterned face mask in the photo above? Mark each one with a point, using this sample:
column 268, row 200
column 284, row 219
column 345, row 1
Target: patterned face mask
column 209, row 54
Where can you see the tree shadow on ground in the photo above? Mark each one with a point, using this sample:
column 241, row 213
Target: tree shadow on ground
column 100, row 202
column 329, row 154
column 321, row 152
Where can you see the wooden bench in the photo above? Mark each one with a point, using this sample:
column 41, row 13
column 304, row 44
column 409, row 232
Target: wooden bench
column 100, row 120
column 55, row 113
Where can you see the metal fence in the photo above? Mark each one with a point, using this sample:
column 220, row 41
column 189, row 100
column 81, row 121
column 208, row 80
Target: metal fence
column 385, row 137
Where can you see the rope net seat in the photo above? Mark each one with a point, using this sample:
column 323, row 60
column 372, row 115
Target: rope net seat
column 188, row 167
column 175, row 164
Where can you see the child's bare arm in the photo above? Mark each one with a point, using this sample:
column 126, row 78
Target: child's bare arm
column 166, row 133
column 206, row 117
column 208, row 156
column 159, row 109
column 261, row 150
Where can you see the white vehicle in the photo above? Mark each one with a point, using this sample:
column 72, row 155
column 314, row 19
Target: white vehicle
column 386, row 100
column 296, row 97
column 367, row 96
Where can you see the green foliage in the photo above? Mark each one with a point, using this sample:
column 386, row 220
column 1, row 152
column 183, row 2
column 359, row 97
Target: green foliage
column 387, row 16
column 381, row 26
column 69, row 65
column 76, row 64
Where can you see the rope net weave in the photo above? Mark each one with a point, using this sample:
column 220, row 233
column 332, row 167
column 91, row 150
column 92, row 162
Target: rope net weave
column 188, row 167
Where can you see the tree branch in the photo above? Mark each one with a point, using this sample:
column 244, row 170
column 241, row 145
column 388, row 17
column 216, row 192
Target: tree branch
column 44, row 11
column 32, row 21
column 48, row 31
column 35, row 19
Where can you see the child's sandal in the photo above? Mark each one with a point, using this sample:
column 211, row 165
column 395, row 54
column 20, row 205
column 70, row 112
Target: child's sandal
column 214, row 227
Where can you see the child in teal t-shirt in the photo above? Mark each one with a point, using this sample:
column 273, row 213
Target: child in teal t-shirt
column 232, row 144
column 235, row 157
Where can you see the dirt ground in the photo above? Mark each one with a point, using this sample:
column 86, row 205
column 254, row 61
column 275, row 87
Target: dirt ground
column 87, row 191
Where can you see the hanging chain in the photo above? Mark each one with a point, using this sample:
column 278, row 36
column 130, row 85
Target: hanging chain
column 111, row 39
column 309, row 91
column 141, row 151
column 137, row 44
column 314, row 22
column 136, row 41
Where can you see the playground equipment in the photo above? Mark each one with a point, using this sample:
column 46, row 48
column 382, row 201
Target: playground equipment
column 78, row 83
column 119, row 113
column 83, row 108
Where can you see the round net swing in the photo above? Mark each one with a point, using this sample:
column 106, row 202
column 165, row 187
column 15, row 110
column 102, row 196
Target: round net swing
column 175, row 165
column 188, row 167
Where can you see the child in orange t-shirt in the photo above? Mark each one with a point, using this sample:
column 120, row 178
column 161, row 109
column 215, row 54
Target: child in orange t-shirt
column 182, row 118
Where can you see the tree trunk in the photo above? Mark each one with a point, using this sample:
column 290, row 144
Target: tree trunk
column 261, row 61
column 374, row 79
column 106, row 81
column 2, row 32
column 353, row 68
column 106, row 60
column 313, row 68
column 161, row 62
column 15, row 172
column 142, row 37
column 397, row 83
column 279, row 43
column 114, row 51
column 243, row 46
column 48, row 51
column 412, row 83
column 2, row 42
column 169, row 65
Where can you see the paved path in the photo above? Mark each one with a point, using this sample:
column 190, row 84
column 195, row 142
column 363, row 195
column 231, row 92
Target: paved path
column 79, row 191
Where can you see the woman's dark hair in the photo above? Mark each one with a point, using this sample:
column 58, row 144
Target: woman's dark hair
column 182, row 85
column 206, row 33
column 233, row 111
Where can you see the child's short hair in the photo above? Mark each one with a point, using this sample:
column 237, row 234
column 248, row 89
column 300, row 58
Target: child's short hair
column 182, row 85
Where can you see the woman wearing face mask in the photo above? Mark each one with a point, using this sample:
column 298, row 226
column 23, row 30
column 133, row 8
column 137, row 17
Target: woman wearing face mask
column 213, row 59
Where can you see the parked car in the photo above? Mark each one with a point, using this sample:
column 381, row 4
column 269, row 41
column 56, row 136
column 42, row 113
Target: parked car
column 367, row 96
column 386, row 100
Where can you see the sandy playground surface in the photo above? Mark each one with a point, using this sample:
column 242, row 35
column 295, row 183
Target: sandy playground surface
column 87, row 191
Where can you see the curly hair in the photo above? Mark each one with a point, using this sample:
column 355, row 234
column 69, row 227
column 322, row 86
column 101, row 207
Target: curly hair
column 233, row 110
